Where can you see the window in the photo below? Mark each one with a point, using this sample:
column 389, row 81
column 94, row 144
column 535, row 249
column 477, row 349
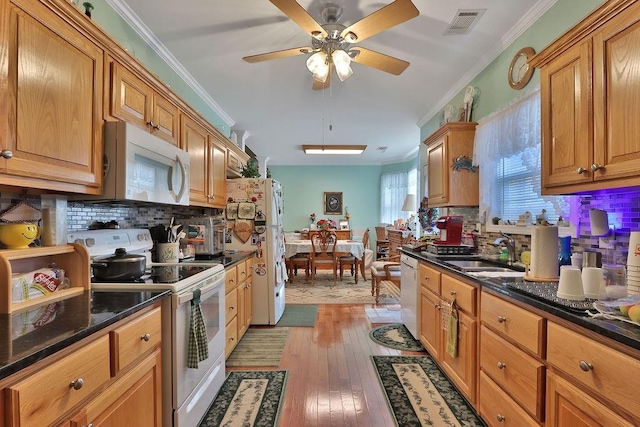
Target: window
column 507, row 149
column 394, row 187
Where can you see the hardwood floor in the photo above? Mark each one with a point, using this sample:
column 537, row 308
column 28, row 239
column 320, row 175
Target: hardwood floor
column 332, row 381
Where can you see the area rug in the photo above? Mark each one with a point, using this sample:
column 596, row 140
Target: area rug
column 304, row 315
column 345, row 292
column 419, row 394
column 395, row 336
column 388, row 313
column 248, row 398
column 259, row 347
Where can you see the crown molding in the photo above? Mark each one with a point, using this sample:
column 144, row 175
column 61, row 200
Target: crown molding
column 129, row 16
column 509, row 38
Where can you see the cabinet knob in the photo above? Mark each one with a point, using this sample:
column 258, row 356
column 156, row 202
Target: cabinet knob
column 77, row 384
column 233, row 307
column 501, row 319
column 580, row 170
column 437, row 306
column 153, row 125
column 146, row 337
column 586, row 366
column 596, row 167
column 501, row 365
column 452, row 292
column 500, row 418
column 248, row 285
column 6, row 154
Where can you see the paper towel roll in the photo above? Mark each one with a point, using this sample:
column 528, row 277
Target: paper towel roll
column 599, row 221
column 544, row 253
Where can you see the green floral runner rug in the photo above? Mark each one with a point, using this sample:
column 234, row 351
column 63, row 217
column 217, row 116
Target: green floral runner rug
column 419, row 394
column 248, row 398
column 395, row 336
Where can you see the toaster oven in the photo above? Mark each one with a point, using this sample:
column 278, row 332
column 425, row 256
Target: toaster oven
column 207, row 235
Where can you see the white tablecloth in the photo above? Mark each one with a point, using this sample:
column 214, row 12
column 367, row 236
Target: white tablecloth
column 304, row 246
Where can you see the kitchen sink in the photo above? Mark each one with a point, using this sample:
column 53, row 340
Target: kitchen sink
column 480, row 266
column 492, row 269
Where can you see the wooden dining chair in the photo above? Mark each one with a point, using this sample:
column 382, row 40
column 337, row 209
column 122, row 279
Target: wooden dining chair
column 296, row 261
column 323, row 245
column 367, row 256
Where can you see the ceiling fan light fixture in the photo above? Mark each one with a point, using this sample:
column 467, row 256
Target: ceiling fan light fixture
column 333, row 149
column 342, row 61
column 350, row 37
column 317, row 35
column 317, row 64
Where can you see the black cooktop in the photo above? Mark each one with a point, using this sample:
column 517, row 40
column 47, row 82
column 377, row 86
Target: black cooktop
column 162, row 274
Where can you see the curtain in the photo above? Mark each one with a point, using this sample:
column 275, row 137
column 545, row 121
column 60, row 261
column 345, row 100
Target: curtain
column 512, row 131
column 394, row 187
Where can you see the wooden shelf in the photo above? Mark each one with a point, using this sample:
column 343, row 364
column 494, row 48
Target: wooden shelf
column 73, row 259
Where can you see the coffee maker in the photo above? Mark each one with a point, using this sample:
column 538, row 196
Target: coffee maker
column 450, row 230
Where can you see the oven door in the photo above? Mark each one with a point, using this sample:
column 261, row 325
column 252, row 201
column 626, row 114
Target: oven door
column 194, row 389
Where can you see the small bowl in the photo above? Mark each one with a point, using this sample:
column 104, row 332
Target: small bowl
column 19, row 235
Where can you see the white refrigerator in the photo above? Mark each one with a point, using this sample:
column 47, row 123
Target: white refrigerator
column 266, row 238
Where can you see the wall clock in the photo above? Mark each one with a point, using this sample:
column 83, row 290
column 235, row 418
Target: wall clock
column 520, row 71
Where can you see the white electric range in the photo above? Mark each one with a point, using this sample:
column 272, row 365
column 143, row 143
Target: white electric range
column 187, row 392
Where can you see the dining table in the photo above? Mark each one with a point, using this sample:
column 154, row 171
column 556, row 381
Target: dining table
column 354, row 247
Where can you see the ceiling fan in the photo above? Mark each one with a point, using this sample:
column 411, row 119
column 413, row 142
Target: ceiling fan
column 332, row 43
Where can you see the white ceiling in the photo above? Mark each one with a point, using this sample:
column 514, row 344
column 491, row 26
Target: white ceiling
column 273, row 100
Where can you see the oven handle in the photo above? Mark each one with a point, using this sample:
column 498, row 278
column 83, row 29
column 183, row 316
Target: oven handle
column 188, row 296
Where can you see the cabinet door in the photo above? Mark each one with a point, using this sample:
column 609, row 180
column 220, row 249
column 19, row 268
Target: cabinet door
column 195, row 142
column 616, row 48
column 463, row 369
column 438, row 172
column 131, row 98
column 569, row 406
column 165, row 120
column 567, row 138
column 54, row 90
column 430, row 321
column 242, row 315
column 134, row 400
column 218, row 173
column 248, row 302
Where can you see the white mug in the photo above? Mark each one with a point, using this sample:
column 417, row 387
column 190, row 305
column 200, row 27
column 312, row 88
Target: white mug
column 169, row 252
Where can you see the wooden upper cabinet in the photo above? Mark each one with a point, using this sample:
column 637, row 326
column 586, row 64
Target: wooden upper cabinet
column 218, row 172
column 136, row 102
column 449, row 186
column 208, row 163
column 589, row 92
column 50, row 114
column 236, row 159
column 195, row 141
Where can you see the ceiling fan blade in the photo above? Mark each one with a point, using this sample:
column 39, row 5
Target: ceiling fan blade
column 293, row 10
column 382, row 19
column 278, row 54
column 319, row 85
column 379, row 61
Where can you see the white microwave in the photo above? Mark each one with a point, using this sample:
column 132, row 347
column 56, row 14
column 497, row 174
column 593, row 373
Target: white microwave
column 141, row 167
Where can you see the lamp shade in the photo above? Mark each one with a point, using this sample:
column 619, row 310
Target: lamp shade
column 342, row 60
column 317, row 64
column 409, row 203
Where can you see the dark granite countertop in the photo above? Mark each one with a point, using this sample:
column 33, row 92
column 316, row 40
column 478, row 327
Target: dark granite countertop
column 30, row 336
column 622, row 332
column 228, row 259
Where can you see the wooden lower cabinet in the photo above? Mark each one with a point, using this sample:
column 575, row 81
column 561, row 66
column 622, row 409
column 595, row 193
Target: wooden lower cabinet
column 80, row 389
column 567, row 405
column 430, row 321
column 239, row 301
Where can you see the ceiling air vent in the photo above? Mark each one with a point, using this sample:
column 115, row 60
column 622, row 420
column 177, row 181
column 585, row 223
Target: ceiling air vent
column 382, row 148
column 464, row 20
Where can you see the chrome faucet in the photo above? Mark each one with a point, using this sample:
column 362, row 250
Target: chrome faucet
column 510, row 243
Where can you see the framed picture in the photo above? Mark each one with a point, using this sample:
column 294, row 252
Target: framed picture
column 232, row 211
column 332, row 203
column 344, row 224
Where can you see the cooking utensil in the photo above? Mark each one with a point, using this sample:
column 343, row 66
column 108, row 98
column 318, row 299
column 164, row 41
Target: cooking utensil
column 119, row 267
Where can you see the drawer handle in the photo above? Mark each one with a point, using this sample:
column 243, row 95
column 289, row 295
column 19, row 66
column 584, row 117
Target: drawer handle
column 501, row 365
column 77, row 384
column 452, row 292
column 586, row 366
column 501, row 319
column 500, row 418
column 146, row 337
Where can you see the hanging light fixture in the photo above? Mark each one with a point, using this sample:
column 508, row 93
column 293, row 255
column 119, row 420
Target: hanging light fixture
column 342, row 62
column 318, row 64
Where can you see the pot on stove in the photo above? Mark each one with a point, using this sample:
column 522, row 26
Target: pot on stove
column 119, row 267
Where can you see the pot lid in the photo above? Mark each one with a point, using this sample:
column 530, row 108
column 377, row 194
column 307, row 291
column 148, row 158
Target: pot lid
column 121, row 255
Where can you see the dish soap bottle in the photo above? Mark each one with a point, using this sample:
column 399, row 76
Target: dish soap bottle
column 564, row 256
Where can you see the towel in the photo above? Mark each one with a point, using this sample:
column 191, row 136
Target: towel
column 452, row 331
column 198, row 349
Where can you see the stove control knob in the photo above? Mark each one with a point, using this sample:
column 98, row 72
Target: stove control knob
column 90, row 242
column 142, row 237
column 79, row 241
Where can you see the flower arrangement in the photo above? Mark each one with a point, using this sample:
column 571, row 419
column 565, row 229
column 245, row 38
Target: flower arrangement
column 324, row 224
column 312, row 217
column 427, row 216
